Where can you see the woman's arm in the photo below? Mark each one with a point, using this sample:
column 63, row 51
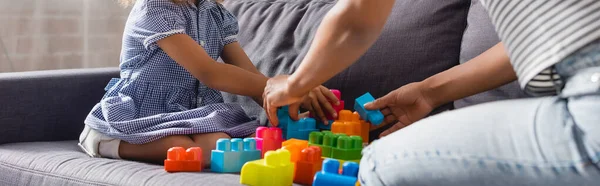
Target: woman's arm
column 224, row 77
column 345, row 34
column 487, row 71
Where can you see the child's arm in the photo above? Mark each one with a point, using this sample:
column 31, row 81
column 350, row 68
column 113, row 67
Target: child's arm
column 224, row 77
column 318, row 101
column 234, row 54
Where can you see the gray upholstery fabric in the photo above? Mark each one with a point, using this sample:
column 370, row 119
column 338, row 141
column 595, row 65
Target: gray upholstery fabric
column 420, row 39
column 62, row 163
column 479, row 36
column 49, row 105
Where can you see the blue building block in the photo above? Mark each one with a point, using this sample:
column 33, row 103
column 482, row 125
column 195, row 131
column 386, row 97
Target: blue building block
column 329, row 175
column 375, row 117
column 322, row 126
column 231, row 155
column 300, row 129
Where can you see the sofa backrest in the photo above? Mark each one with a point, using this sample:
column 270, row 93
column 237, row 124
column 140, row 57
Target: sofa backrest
column 421, row 38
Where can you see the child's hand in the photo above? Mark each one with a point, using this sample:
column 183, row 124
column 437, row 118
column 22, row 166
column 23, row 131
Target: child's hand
column 318, row 102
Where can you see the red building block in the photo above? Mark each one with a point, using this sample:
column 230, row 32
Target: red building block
column 310, row 162
column 268, row 139
column 180, row 160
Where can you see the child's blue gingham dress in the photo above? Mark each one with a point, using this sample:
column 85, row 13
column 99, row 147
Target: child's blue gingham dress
column 156, row 97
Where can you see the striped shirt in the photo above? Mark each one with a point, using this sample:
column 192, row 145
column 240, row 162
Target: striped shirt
column 540, row 33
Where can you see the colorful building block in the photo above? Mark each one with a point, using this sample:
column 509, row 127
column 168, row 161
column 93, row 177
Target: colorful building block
column 295, row 146
column 232, row 154
column 275, row 169
column 350, row 124
column 181, row 160
column 337, row 108
column 295, row 129
column 268, row 139
column 330, row 176
column 337, row 146
column 323, row 126
column 347, row 148
column 308, row 165
column 325, row 140
column 375, row 117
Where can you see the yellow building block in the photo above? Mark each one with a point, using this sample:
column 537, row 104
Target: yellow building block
column 275, row 170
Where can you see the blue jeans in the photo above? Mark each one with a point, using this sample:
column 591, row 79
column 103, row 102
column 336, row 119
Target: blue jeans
column 535, row 141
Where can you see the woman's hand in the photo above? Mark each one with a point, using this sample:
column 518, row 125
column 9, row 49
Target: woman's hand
column 405, row 105
column 279, row 93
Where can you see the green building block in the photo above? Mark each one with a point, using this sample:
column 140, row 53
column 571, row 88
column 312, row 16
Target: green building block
column 326, row 140
column 347, row 148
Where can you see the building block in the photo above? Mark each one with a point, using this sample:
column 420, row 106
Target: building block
column 268, row 139
column 337, row 108
column 375, row 117
column 275, row 169
column 365, row 128
column 344, row 161
column 348, row 124
column 181, row 160
column 295, row 146
column 308, row 165
column 330, row 176
column 347, row 148
column 325, row 140
column 323, row 126
column 300, row 129
column 232, row 154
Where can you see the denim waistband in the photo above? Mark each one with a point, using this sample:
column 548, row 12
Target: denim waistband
column 580, row 72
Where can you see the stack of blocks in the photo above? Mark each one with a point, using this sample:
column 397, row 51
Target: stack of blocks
column 231, row 155
column 350, row 124
column 337, row 146
column 275, row 169
column 180, row 160
column 329, row 176
column 268, row 139
column 307, row 159
column 295, row 129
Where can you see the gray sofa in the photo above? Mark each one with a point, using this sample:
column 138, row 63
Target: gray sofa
column 41, row 113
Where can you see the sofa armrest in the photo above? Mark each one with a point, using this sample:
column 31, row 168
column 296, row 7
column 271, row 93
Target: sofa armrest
column 49, row 105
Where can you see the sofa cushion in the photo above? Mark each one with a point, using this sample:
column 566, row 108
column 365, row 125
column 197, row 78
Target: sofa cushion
column 62, row 163
column 420, row 39
column 480, row 35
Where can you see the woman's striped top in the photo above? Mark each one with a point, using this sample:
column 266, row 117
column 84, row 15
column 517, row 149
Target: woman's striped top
column 540, row 33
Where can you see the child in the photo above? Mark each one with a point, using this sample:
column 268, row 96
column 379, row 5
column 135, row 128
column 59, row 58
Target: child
column 169, row 91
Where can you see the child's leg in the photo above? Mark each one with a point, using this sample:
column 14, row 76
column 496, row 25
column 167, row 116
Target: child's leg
column 153, row 152
column 207, row 142
column 156, row 151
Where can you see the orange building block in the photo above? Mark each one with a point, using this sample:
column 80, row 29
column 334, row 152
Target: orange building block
column 310, row 162
column 180, row 160
column 350, row 124
column 295, row 147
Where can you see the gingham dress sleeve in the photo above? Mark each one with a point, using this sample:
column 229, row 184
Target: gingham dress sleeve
column 161, row 19
column 230, row 26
